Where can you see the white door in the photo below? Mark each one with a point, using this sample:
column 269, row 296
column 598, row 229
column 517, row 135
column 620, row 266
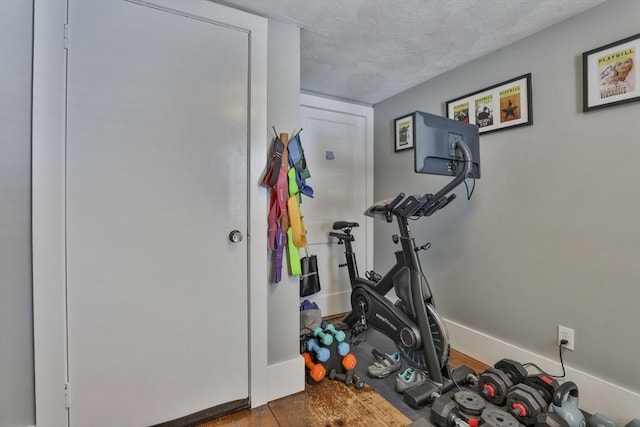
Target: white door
column 156, row 180
column 337, row 138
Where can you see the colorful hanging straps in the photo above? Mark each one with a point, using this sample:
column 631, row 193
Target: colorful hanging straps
column 287, row 185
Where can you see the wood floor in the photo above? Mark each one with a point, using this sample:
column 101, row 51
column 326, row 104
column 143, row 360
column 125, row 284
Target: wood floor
column 330, row 403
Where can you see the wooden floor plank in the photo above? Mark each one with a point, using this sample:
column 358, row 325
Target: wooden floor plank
column 260, row 416
column 329, row 403
column 457, row 358
column 388, row 413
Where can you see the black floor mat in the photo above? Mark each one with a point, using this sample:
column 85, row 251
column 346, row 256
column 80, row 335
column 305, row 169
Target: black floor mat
column 385, row 386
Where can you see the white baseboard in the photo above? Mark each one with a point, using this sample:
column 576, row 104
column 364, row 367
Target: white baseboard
column 285, row 378
column 333, row 303
column 596, row 394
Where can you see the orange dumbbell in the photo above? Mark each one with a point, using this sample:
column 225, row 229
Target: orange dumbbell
column 316, row 371
column 349, row 362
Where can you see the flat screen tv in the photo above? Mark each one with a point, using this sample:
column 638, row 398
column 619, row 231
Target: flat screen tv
column 434, row 145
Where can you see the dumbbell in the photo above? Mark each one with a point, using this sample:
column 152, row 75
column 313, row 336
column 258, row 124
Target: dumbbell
column 357, row 381
column 316, row 371
column 471, row 406
column 349, row 378
column 343, row 348
column 325, row 339
column 424, row 393
column 497, row 418
column 525, row 403
column 531, row 397
column 445, row 413
column 544, row 384
column 338, row 335
column 345, row 378
column 494, row 383
column 349, row 362
column 322, row 354
column 463, row 375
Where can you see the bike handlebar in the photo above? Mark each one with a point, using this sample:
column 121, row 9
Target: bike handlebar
column 427, row 204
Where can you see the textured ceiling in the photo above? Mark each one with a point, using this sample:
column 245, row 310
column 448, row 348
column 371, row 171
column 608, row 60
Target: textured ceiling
column 369, row 50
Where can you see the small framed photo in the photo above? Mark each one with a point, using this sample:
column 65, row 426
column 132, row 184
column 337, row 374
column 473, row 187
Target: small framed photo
column 610, row 74
column 497, row 107
column 404, row 132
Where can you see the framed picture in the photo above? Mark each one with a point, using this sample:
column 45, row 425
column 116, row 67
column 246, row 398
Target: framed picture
column 610, row 74
column 502, row 106
column 404, row 131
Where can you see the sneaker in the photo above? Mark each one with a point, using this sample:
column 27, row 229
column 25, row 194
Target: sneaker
column 385, row 366
column 409, row 378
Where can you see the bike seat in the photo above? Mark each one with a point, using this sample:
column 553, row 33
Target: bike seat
column 339, row 225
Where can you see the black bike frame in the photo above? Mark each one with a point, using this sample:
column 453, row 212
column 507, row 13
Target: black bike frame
column 403, row 208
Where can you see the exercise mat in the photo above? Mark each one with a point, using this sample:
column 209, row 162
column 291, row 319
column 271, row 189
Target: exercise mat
column 372, row 339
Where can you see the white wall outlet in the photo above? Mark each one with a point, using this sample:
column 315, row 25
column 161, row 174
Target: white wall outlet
column 565, row 333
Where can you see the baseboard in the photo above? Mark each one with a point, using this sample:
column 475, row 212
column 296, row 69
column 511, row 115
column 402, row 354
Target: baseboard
column 596, row 394
column 285, row 378
column 333, row 303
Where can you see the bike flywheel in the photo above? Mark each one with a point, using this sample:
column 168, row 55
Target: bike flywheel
column 439, row 334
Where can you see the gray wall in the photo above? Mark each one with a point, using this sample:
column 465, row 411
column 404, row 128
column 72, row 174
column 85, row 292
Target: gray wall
column 551, row 235
column 16, row 327
column 283, row 112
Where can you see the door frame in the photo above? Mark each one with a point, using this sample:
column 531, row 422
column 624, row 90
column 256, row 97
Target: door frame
column 48, row 200
column 343, row 107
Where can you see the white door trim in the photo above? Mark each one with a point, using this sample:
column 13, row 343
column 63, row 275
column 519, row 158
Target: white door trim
column 327, row 104
column 48, row 201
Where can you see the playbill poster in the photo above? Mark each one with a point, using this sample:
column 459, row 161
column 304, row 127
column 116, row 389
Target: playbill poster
column 611, row 74
column 615, row 73
column 501, row 106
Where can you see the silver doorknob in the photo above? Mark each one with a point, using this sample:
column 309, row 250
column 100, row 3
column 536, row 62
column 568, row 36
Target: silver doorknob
column 235, row 236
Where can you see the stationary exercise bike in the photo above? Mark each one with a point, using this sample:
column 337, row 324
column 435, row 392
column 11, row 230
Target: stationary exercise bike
column 412, row 322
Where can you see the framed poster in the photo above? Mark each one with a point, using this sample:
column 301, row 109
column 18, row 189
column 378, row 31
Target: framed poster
column 498, row 107
column 404, row 132
column 610, row 74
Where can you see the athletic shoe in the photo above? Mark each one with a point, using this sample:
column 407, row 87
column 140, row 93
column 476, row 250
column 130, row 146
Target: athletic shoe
column 385, row 366
column 409, row 378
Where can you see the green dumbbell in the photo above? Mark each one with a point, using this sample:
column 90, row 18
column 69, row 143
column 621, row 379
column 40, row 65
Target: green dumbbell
column 325, row 339
column 339, row 335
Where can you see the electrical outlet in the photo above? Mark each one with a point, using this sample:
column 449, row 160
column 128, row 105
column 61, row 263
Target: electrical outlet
column 565, row 333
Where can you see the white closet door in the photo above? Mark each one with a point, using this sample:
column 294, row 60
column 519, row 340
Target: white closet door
column 156, row 179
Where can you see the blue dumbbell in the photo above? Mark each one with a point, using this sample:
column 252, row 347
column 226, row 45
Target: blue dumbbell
column 322, row 354
column 343, row 348
column 339, row 335
column 325, row 339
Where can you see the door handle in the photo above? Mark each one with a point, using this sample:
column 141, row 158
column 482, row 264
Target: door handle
column 235, row 236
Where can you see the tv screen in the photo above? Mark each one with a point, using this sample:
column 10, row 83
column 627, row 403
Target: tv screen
column 434, row 145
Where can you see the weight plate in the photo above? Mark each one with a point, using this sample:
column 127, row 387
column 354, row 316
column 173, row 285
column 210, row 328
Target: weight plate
column 498, row 418
column 513, row 369
column 545, row 385
column 470, row 403
column 494, row 385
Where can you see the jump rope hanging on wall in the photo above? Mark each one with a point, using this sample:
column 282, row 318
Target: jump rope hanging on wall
column 286, row 176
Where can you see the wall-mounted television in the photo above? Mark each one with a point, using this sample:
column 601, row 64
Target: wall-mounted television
column 435, row 140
